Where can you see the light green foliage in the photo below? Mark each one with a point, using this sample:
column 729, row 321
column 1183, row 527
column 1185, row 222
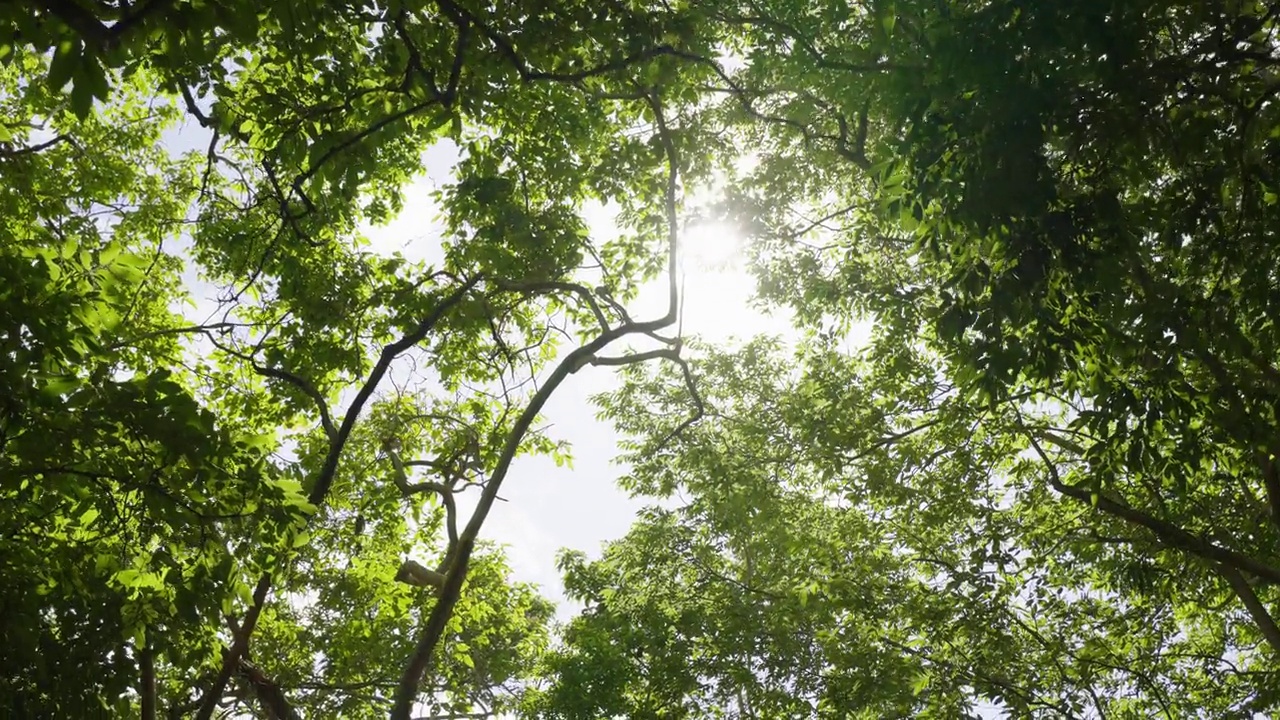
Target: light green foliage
column 1048, row 485
column 907, row 560
column 1051, row 477
column 98, row 431
column 219, row 508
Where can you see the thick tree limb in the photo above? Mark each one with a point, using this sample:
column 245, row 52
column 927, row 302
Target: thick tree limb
column 95, row 32
column 270, row 695
column 193, row 107
column 231, row 656
column 147, row 681
column 633, row 358
column 85, row 23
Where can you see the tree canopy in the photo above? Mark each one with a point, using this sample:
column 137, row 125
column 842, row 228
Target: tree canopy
column 1046, row 485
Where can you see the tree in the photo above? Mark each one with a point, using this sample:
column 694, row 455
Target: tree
column 1058, row 448
column 213, row 517
column 1048, row 483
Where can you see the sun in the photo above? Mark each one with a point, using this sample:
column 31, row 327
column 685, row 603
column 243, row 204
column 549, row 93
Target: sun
column 712, row 246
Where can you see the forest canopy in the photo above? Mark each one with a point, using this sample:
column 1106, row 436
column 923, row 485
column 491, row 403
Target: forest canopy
column 1046, row 486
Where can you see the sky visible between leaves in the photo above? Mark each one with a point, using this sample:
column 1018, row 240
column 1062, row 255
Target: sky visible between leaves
column 547, row 507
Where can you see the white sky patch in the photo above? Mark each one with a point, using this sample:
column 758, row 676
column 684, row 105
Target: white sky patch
column 416, row 231
column 714, row 246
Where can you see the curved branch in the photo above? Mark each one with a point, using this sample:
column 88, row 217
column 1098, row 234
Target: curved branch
column 506, row 48
column 326, row 420
column 1166, row 532
column 551, row 285
column 343, row 145
column 389, row 354
column 303, row 385
column 324, row 481
column 445, row 492
column 1261, row 616
column 805, row 43
column 456, row 569
column 840, row 142
column 699, row 408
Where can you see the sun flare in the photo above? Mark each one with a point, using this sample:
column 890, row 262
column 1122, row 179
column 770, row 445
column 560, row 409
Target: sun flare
column 712, row 246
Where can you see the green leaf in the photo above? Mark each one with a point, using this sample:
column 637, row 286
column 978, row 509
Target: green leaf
column 889, row 19
column 66, row 60
column 88, row 516
column 81, row 100
column 129, row 577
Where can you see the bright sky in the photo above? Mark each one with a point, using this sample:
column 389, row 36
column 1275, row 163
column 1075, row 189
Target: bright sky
column 548, row 508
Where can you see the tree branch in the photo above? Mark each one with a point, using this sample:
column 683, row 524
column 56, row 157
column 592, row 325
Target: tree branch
column 418, row 575
column 632, row 359
column 147, row 681
column 324, row 480
column 806, row 44
column 32, row 149
column 672, row 354
column 326, row 420
column 1271, row 484
column 135, row 18
column 506, row 48
column 92, row 30
column 445, row 492
column 456, row 570
column 85, row 23
column 231, row 656
column 1261, row 616
column 301, row 383
column 389, row 354
column 550, row 285
column 194, row 108
column 1166, row 532
column 270, row 695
